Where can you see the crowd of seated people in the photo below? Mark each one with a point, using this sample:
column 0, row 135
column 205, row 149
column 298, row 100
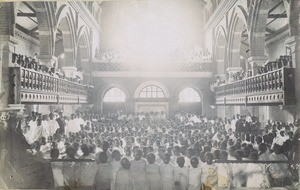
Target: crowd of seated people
column 33, row 63
column 144, row 151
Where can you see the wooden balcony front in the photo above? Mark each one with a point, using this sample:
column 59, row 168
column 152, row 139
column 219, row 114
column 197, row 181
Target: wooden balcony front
column 275, row 87
column 30, row 86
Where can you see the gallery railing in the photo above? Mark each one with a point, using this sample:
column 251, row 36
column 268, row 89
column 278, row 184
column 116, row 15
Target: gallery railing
column 273, row 87
column 31, row 86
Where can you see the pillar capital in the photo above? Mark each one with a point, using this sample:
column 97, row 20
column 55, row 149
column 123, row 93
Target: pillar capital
column 47, row 60
column 256, row 62
column 69, row 71
column 231, row 71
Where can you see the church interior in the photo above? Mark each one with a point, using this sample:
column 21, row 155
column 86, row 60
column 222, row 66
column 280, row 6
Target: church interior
column 150, row 94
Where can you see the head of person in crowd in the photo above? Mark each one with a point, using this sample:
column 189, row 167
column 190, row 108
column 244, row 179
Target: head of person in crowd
column 103, row 158
column 194, row 162
column 151, row 158
column 105, row 146
column 85, row 150
column 253, row 156
column 190, row 152
column 177, row 151
column 216, row 154
column 125, row 163
column 116, row 155
column 239, row 154
column 51, row 116
column 277, row 148
column 209, row 158
column 70, row 151
column 223, row 155
column 138, row 155
column 127, row 151
column 180, row 161
column 54, row 153
column 167, row 158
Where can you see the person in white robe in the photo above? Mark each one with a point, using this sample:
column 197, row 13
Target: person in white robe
column 256, row 173
column 138, row 171
column 224, row 171
column 181, row 175
column 166, row 170
column 152, row 173
column 194, row 175
column 123, row 179
column 115, row 166
column 209, row 175
column 52, row 125
column 36, row 132
column 72, row 126
column 103, row 175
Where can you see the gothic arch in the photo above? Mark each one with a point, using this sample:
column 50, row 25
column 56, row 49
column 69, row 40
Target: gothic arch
column 83, row 49
column 237, row 30
column 46, row 21
column 107, row 88
column 65, row 28
column 190, row 86
column 220, row 50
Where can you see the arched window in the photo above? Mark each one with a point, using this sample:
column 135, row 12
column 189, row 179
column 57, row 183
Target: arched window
column 189, row 95
column 114, row 95
column 152, row 91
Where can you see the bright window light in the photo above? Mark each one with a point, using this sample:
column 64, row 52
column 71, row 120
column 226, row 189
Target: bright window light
column 152, row 91
column 189, row 95
column 114, row 95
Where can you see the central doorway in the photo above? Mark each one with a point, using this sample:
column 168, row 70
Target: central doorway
column 148, row 107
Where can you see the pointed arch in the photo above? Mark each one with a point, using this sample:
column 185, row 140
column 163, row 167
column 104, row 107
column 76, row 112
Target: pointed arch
column 189, row 95
column 114, row 94
column 65, row 27
column 220, row 50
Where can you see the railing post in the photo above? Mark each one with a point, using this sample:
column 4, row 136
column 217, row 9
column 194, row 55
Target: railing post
column 15, row 85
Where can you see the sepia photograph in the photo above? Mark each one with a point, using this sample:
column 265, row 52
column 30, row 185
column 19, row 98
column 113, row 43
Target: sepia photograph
column 150, row 95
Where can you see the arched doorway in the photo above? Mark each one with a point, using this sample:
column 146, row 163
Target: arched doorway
column 190, row 100
column 152, row 97
column 113, row 100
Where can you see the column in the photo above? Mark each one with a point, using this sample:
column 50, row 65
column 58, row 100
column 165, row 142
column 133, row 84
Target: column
column 7, row 47
column 294, row 44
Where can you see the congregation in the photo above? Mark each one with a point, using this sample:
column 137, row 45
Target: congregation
column 148, row 151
